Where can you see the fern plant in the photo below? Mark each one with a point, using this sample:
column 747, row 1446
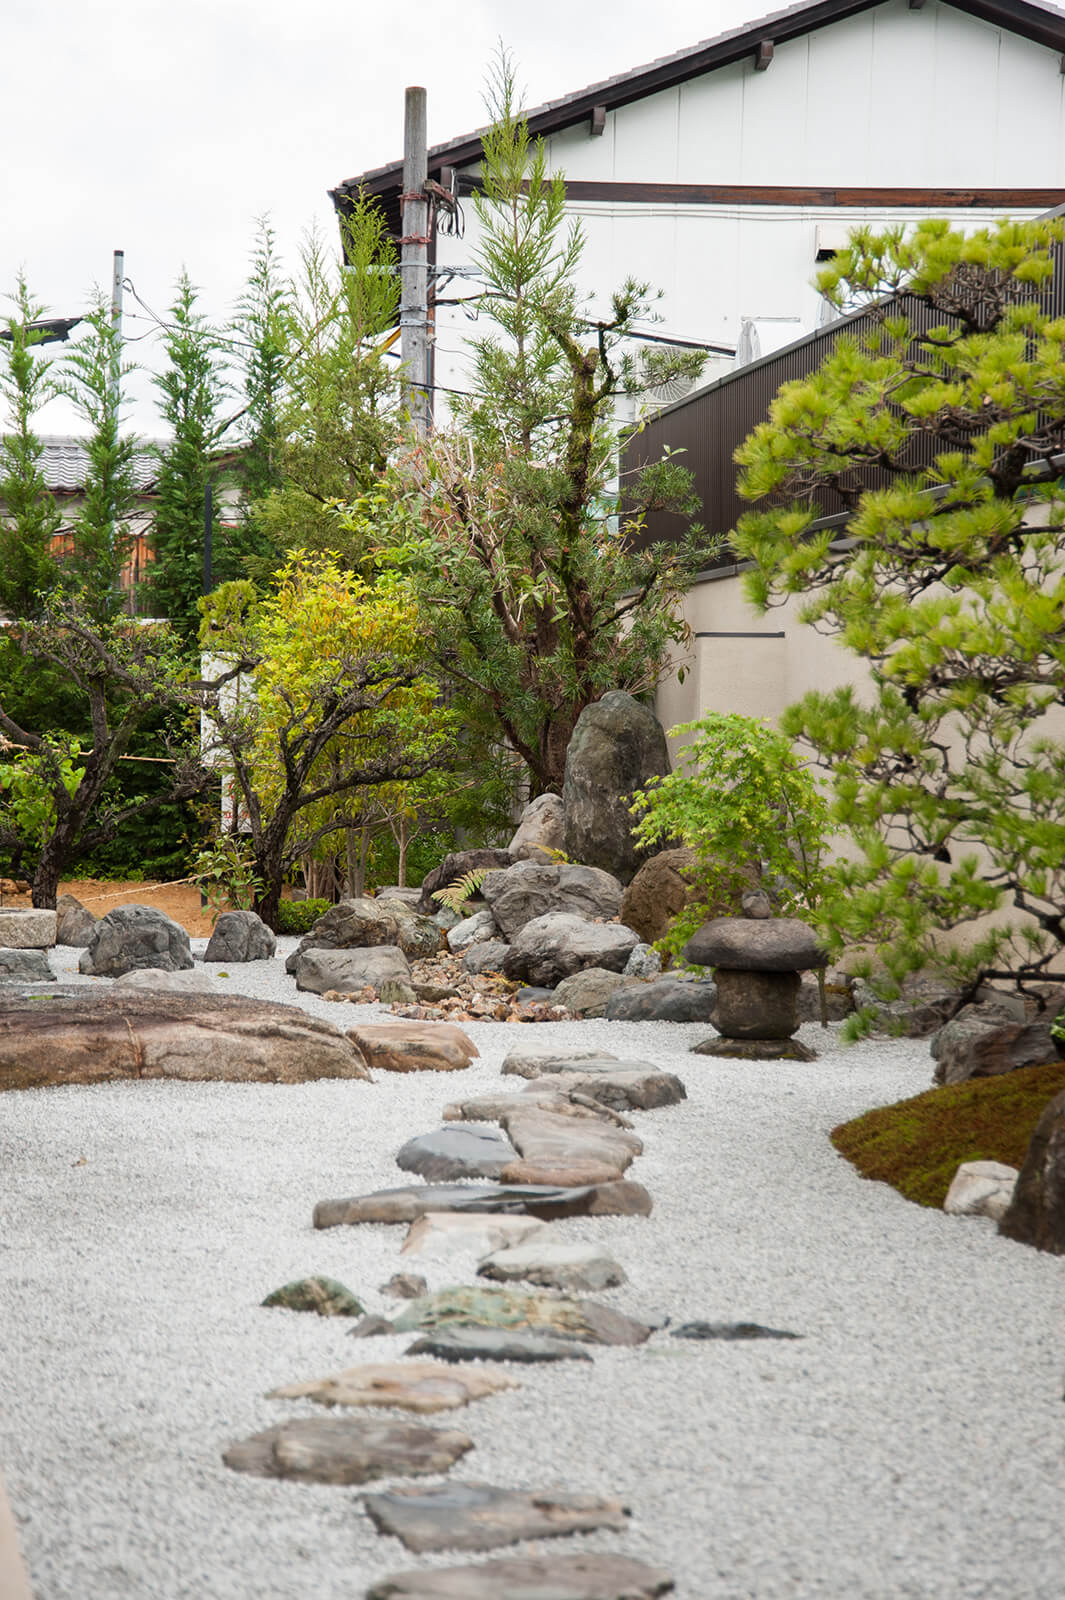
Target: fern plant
column 454, row 895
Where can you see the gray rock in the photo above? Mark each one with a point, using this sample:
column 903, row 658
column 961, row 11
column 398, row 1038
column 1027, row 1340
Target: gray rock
column 541, row 831
column 24, row 966
column 27, row 930
column 324, row 1296
column 98, row 1035
column 580, row 1268
column 75, row 924
column 357, row 924
column 625, row 1090
column 455, row 866
column 319, row 970
column 456, row 1152
column 583, row 1577
column 416, row 935
column 392, row 891
column 981, row 1043
column 531, row 994
column 777, row 944
column 981, row 1189
column 240, row 936
column 924, row 1005
column 187, row 981
column 730, row 1331
column 755, row 1049
column 347, row 1450
column 479, row 1305
column 487, row 957
column 644, row 962
column 405, row 1286
column 1036, row 1214
column 498, row 1344
column 839, row 996
column 478, row 929
column 530, row 1061
column 476, row 1516
column 135, row 936
column 756, row 904
column 443, row 1234
column 554, row 946
column 756, row 1005
column 586, row 993
column 529, row 890
column 616, row 747
column 547, row 1201
column 667, row 999
column 571, row 1149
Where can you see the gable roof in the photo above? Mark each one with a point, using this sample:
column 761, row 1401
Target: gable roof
column 1037, row 23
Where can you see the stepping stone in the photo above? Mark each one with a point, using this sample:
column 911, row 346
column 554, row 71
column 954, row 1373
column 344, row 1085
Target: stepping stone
column 477, row 1516
column 567, row 1150
column 405, row 1286
column 531, row 1061
column 497, row 1344
column 586, row 1320
column 414, row 1046
column 324, row 1295
column 730, row 1330
column 457, row 1152
column 547, row 1201
column 583, row 1577
column 422, row 1386
column 579, row 1267
column 443, row 1233
column 623, row 1090
column 755, row 1049
column 347, row 1450
column 547, row 1093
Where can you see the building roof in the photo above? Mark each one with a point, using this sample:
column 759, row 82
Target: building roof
column 1039, row 23
column 64, row 463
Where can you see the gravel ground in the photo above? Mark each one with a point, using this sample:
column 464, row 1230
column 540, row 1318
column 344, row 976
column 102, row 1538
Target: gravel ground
column 911, row 1444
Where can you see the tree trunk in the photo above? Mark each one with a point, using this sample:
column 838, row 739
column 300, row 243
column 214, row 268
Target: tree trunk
column 354, row 863
column 46, row 881
column 401, row 869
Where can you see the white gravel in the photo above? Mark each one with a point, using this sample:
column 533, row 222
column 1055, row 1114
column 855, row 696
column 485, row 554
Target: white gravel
column 911, row 1444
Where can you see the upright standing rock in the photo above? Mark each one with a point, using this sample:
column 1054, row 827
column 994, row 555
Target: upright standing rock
column 616, row 747
column 135, row 936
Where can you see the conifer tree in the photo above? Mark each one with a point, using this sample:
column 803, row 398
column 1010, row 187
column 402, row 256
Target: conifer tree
column 30, row 516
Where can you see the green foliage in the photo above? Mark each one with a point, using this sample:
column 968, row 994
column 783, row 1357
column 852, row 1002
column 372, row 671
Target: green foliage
column 27, row 803
column 30, row 517
column 950, row 587
column 511, row 525
column 299, row 916
column 225, row 871
column 94, row 372
column 454, row 895
column 739, row 798
column 192, row 389
column 918, row 1145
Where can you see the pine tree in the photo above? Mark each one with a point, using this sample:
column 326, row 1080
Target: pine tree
column 30, row 517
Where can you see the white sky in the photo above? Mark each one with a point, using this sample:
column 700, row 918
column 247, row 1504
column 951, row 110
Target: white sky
column 165, row 127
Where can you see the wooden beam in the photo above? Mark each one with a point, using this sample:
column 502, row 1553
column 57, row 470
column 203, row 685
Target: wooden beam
column 763, row 55
column 737, row 194
column 597, row 121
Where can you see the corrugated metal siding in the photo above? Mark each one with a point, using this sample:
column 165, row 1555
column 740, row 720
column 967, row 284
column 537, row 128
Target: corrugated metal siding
column 709, row 426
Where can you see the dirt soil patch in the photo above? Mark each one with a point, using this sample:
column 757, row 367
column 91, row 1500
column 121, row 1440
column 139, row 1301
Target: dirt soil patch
column 180, row 901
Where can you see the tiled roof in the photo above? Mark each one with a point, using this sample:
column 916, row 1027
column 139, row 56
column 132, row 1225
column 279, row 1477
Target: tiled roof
column 65, row 463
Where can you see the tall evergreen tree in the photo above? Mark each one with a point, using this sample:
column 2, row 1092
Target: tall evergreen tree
column 30, row 516
column 193, row 388
column 262, row 329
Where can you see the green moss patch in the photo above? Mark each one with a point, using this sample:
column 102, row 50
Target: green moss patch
column 918, row 1145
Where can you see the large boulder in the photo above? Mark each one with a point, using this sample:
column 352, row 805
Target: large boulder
column 617, row 746
column 659, row 893
column 541, row 834
column 74, row 924
column 135, row 936
column 982, row 1042
column 456, row 866
column 24, row 966
column 478, row 929
column 666, row 999
column 414, row 1046
column 240, row 936
column 586, row 993
column 95, row 1035
column 318, row 971
column 487, row 957
column 550, row 948
column 1036, row 1214
column 366, row 924
column 924, row 1005
column 530, row 889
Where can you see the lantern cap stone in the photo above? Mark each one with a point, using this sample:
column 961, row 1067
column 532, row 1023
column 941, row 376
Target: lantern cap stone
column 742, row 944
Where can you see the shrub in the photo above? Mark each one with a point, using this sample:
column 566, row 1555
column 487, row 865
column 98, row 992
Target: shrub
column 299, row 916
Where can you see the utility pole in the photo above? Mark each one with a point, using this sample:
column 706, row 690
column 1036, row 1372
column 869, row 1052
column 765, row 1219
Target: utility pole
column 117, row 276
column 413, row 263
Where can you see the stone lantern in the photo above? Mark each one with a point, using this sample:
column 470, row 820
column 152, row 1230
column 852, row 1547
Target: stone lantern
column 757, row 960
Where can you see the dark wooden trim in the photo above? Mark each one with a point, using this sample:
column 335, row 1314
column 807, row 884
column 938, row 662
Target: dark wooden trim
column 597, row 122
column 718, row 194
column 763, row 55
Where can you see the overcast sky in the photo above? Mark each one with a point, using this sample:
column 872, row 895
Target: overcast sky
column 165, row 127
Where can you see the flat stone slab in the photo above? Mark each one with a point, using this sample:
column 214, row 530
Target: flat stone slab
column 421, row 1386
column 478, row 1516
column 97, row 1035
column 567, row 1150
column 585, row 1320
column 347, row 1450
column 457, row 1152
column 623, row 1090
column 583, row 1577
column 532, row 1060
column 554, row 1265
column 621, row 1198
column 26, row 930
column 325, row 1296
column 755, row 1049
column 497, row 1344
column 730, row 1331
column 414, row 1046
column 443, row 1233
